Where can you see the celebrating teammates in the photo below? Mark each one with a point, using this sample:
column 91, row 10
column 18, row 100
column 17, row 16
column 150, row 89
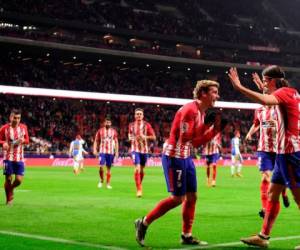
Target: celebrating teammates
column 287, row 169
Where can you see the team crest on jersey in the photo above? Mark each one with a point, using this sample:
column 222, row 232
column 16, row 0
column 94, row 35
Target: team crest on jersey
column 184, row 127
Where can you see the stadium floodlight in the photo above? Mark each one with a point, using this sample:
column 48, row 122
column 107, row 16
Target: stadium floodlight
column 4, row 89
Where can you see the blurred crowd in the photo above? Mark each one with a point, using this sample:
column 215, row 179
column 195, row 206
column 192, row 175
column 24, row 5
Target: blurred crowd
column 54, row 123
column 253, row 23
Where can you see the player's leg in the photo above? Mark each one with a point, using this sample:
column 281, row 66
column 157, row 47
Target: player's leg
column 189, row 205
column 136, row 157
column 214, row 168
column 7, row 172
column 279, row 179
column 109, row 161
column 285, row 198
column 8, row 188
column 173, row 176
column 232, row 167
column 239, row 165
column 144, row 158
column 264, row 187
column 81, row 164
column 101, row 170
column 75, row 165
column 208, row 165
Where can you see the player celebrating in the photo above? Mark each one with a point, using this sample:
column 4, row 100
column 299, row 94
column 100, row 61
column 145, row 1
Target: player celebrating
column 106, row 145
column 211, row 151
column 236, row 156
column 187, row 130
column 286, row 171
column 13, row 137
column 266, row 120
column 76, row 151
column 139, row 133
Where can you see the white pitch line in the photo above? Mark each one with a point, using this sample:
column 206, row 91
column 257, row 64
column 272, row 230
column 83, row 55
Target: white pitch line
column 58, row 240
column 229, row 244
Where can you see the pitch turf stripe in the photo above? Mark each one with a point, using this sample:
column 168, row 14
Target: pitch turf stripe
column 230, row 244
column 58, row 240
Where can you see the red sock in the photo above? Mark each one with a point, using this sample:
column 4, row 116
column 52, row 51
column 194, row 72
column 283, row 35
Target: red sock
column 101, row 174
column 161, row 208
column 7, row 188
column 214, row 175
column 264, row 186
column 188, row 214
column 137, row 178
column 108, row 175
column 283, row 193
column 207, row 171
column 272, row 211
column 142, row 176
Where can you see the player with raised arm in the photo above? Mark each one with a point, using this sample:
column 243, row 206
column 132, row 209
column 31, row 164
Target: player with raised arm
column 236, row 156
column 139, row 133
column 211, row 150
column 188, row 129
column 266, row 121
column 13, row 137
column 106, row 145
column 287, row 170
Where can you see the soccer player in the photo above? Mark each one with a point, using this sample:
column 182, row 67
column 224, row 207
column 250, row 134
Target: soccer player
column 286, row 171
column 76, row 151
column 13, row 137
column 211, row 150
column 106, row 145
column 236, row 156
column 188, row 129
column 139, row 133
column 265, row 120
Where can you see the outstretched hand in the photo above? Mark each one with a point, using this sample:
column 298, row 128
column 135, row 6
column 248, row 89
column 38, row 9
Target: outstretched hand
column 258, row 81
column 234, row 78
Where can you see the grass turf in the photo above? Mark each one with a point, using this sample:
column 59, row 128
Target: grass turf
column 53, row 202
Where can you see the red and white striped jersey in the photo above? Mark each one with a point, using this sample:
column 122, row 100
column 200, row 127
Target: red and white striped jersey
column 137, row 129
column 212, row 147
column 289, row 100
column 266, row 117
column 10, row 135
column 106, row 139
column 187, row 127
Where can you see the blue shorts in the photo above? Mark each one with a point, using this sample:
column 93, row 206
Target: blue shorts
column 287, row 170
column 13, row 167
column 212, row 158
column 180, row 175
column 106, row 159
column 266, row 161
column 139, row 158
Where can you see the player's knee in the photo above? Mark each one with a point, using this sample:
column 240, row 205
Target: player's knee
column 178, row 199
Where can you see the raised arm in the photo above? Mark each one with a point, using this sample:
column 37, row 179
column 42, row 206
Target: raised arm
column 256, row 96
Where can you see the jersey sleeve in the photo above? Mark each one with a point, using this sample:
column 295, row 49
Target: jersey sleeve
column 150, row 130
column 115, row 134
column 26, row 136
column 97, row 137
column 130, row 131
column 255, row 119
column 282, row 95
column 2, row 135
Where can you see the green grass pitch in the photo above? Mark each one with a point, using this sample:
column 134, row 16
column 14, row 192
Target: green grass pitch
column 52, row 202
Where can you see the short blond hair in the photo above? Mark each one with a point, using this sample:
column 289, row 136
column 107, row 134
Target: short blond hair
column 203, row 85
